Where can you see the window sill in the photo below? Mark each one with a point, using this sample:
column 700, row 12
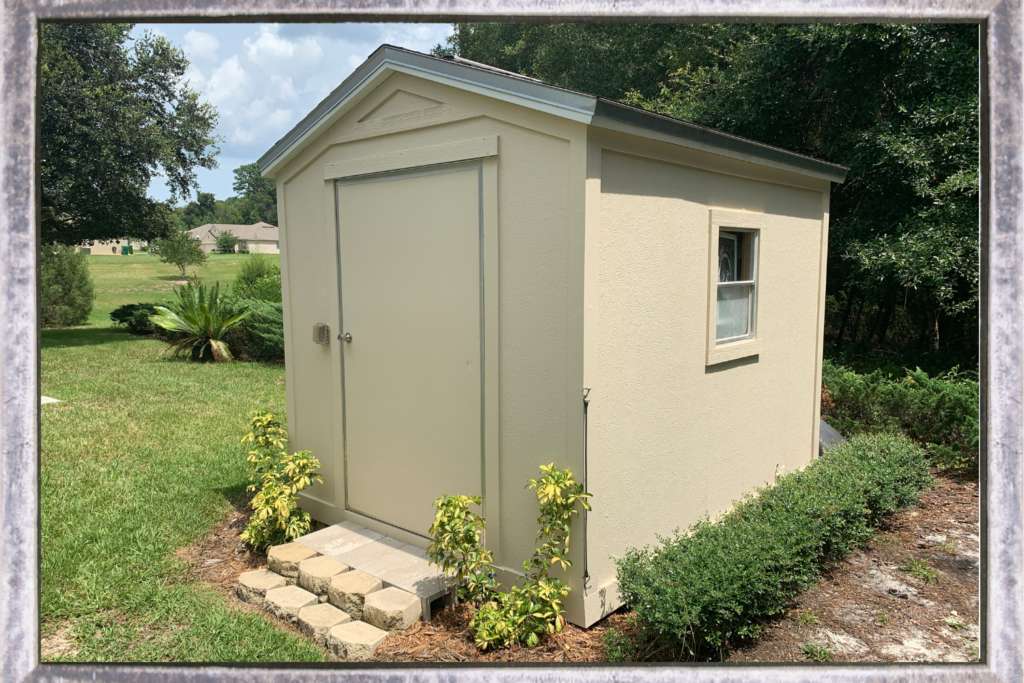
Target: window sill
column 732, row 351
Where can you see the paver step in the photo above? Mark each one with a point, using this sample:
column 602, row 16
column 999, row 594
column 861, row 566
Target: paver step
column 346, row 587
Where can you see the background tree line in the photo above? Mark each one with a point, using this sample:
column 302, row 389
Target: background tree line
column 897, row 104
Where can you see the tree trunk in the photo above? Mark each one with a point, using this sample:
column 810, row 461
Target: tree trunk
column 856, row 323
column 890, row 307
column 846, row 319
column 935, row 344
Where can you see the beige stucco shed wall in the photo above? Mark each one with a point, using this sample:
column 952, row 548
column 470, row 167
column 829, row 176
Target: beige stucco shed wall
column 671, row 438
column 603, row 247
column 542, row 157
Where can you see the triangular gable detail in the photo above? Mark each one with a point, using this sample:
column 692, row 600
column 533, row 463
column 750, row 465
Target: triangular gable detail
column 400, row 102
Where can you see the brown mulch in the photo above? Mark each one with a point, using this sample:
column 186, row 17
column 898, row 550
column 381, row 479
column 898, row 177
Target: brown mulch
column 447, row 639
column 867, row 610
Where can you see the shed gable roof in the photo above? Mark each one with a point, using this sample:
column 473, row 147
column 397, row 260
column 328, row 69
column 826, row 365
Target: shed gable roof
column 532, row 93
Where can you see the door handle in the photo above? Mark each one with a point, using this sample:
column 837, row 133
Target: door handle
column 347, row 337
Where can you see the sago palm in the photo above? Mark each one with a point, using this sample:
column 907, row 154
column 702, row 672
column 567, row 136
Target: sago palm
column 197, row 317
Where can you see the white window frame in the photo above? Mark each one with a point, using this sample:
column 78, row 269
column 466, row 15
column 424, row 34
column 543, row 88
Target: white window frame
column 750, row 344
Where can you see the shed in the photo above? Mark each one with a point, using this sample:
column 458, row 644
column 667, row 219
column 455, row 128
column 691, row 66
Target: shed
column 514, row 273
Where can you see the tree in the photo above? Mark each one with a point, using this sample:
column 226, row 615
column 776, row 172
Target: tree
column 65, row 286
column 898, row 104
column 226, row 242
column 181, row 249
column 115, row 112
column 259, row 193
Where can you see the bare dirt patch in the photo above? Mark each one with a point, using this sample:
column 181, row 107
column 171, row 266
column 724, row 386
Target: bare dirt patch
column 59, row 645
column 871, row 606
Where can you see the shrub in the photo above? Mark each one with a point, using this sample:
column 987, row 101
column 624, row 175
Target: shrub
column 939, row 413
column 524, row 614
column 720, row 580
column 226, row 242
column 200, row 322
column 276, row 477
column 456, row 546
column 258, row 278
column 262, row 336
column 135, row 318
column 65, row 287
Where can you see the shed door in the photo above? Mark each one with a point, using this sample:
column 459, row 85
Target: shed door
column 409, row 246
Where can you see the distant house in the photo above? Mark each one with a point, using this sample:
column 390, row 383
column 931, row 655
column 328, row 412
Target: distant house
column 258, row 237
column 113, row 247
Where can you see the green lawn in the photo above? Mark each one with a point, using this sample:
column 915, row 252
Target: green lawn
column 141, row 278
column 139, row 460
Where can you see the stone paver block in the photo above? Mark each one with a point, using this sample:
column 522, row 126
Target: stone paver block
column 317, row 620
column 392, row 609
column 315, row 574
column 286, row 602
column 284, row 559
column 355, row 641
column 253, row 586
column 348, row 591
column 339, row 538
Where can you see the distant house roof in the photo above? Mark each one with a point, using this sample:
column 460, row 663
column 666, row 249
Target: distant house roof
column 532, row 93
column 264, row 232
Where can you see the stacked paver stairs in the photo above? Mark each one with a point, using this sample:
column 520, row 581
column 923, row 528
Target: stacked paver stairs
column 345, row 587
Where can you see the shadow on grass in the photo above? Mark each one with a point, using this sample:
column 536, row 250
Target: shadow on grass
column 84, row 336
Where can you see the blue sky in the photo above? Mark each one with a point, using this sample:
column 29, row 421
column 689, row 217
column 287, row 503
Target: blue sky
column 263, row 78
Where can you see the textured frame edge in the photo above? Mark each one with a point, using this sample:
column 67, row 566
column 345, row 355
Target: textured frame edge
column 1002, row 322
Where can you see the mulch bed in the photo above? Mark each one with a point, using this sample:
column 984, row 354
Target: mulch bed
column 863, row 610
column 867, row 610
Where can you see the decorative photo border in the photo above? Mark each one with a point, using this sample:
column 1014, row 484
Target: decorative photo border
column 1002, row 324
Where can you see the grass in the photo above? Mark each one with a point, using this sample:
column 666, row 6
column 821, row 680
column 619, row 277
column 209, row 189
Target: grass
column 141, row 278
column 807, row 618
column 140, row 459
column 818, row 653
column 921, row 570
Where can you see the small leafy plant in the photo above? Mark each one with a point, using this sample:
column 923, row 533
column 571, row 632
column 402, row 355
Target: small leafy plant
column 276, row 476
column 808, row 618
column 948, row 547
column 456, row 546
column 883, row 618
column 817, row 653
column 524, row 613
column 954, row 622
column 921, row 570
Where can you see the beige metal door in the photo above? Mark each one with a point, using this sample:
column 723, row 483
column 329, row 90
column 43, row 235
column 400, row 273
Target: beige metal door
column 409, row 246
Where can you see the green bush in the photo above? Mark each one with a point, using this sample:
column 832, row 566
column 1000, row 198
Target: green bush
column 720, row 580
column 262, row 336
column 135, row 318
column 276, row 476
column 258, row 278
column 939, row 413
column 456, row 546
column 65, row 287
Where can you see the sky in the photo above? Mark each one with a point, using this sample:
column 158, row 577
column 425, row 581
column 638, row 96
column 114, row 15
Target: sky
column 264, row 78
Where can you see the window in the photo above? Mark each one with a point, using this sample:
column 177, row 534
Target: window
column 734, row 284
column 737, row 286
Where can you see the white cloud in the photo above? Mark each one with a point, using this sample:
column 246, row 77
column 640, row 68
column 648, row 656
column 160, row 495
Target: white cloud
column 264, row 78
column 201, row 47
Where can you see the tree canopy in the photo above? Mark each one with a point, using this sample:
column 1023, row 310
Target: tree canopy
column 897, row 104
column 256, row 201
column 115, row 113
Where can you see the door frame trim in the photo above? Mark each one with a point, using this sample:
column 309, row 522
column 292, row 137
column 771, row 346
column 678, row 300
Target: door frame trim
column 487, row 169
